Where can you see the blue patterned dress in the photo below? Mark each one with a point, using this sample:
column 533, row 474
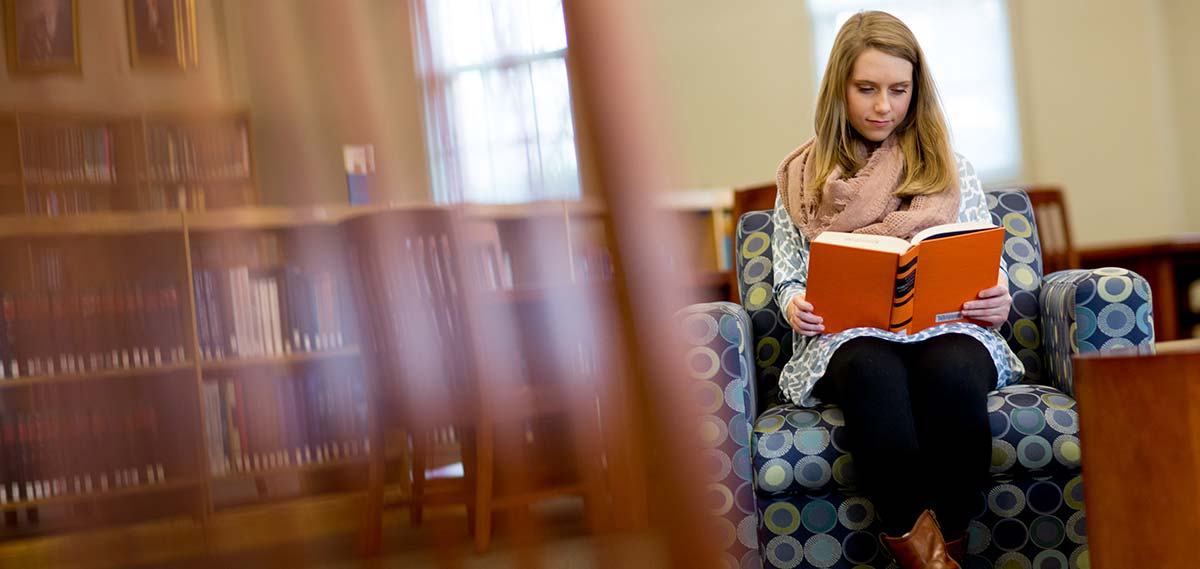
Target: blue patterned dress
column 810, row 355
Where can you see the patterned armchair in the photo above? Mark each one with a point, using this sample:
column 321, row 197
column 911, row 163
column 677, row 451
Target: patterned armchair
column 781, row 479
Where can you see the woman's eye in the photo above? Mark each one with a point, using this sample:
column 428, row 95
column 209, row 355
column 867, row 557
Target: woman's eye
column 866, row 89
column 899, row 91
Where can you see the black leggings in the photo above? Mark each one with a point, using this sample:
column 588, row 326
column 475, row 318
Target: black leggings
column 917, row 425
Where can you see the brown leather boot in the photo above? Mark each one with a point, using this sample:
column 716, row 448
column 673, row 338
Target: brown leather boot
column 923, row 547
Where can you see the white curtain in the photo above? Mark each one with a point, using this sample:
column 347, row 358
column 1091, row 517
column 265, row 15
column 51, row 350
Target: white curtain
column 497, row 101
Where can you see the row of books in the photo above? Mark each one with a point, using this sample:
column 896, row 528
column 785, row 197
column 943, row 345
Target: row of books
column 262, row 423
column 190, row 197
column 82, row 447
column 192, row 152
column 593, row 264
column 244, row 312
column 496, row 272
column 54, row 202
column 56, row 332
column 67, row 154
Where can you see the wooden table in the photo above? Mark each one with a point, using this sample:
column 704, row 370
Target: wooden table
column 1170, row 266
column 1140, row 430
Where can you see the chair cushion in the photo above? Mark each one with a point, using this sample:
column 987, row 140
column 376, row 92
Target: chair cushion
column 804, row 450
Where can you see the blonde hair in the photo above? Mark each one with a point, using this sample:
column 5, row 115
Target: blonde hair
column 922, row 135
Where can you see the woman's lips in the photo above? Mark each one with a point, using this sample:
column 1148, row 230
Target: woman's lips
column 879, row 123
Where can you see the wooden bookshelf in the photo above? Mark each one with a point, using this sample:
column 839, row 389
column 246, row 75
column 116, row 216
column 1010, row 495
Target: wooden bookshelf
column 353, row 462
column 284, row 360
column 115, row 493
column 55, row 164
column 164, row 191
column 147, row 371
column 300, row 372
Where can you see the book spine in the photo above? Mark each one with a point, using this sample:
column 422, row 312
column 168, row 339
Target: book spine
column 903, row 299
column 212, row 417
column 203, row 328
column 272, row 288
column 212, row 302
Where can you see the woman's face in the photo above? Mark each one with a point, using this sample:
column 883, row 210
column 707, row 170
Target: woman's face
column 878, row 94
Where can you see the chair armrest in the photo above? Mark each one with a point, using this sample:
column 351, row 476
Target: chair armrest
column 719, row 360
column 1085, row 310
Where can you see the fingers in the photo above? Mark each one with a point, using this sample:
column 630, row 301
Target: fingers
column 995, row 291
column 807, row 323
column 802, row 319
column 801, row 304
column 988, row 303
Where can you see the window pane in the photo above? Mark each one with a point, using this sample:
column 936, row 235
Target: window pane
column 473, row 32
column 507, row 101
column 967, row 45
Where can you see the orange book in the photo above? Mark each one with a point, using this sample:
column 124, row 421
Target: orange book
column 903, row 286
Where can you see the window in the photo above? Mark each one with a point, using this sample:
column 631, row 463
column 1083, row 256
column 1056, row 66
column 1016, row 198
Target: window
column 497, row 103
column 967, row 46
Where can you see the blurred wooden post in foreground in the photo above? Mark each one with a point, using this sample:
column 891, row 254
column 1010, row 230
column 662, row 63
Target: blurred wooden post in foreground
column 622, row 160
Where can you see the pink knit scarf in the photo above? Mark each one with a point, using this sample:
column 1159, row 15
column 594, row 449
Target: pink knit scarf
column 863, row 203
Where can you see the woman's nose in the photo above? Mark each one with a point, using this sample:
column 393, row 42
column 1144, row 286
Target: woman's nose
column 882, row 106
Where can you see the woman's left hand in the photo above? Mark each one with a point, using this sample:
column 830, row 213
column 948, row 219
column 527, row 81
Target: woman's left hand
column 993, row 304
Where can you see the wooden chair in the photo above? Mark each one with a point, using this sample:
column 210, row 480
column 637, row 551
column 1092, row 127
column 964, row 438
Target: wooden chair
column 746, row 199
column 1054, row 228
column 413, row 290
column 455, row 359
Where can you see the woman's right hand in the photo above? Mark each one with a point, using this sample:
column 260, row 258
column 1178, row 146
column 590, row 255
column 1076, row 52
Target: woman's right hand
column 800, row 316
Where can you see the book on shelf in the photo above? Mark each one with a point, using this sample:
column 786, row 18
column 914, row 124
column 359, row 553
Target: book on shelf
column 73, row 445
column 901, row 285
column 255, row 424
column 67, row 154
column 55, row 201
column 220, row 150
column 67, row 331
column 266, row 312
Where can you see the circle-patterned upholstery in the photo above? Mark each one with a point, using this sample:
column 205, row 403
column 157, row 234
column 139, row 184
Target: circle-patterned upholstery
column 1022, row 254
column 1089, row 310
column 1029, row 522
column 1035, row 432
column 756, row 279
column 717, row 360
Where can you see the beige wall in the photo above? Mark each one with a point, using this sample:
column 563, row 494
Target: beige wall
column 1098, row 113
column 1104, row 91
column 736, row 86
column 1183, row 46
column 109, row 84
column 318, row 75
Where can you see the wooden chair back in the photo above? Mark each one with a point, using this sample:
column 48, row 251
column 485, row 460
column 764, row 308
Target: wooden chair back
column 1054, row 228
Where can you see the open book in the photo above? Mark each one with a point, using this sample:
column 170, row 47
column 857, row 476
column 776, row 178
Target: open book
column 903, row 286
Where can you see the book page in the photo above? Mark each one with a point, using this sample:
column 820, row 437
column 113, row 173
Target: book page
column 949, row 229
column 883, row 243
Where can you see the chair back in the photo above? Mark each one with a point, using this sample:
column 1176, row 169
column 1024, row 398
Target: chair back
column 755, row 283
column 746, row 199
column 1012, row 210
column 1054, row 229
column 413, row 283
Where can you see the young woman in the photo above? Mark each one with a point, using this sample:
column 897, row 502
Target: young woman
column 915, row 406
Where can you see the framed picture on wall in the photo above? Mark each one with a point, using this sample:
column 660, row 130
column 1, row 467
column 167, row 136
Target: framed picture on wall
column 162, row 33
column 42, row 35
